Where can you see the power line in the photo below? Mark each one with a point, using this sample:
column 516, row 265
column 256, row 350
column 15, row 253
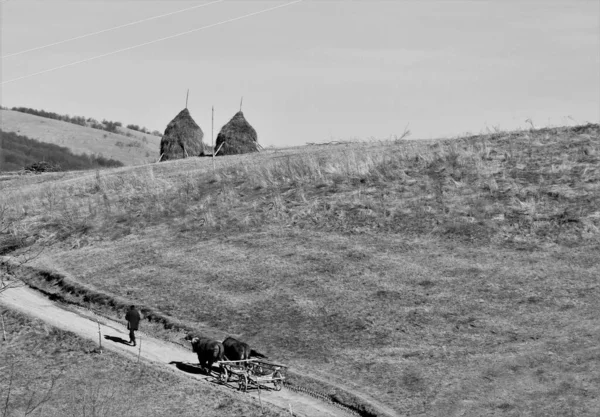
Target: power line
column 151, row 42
column 109, row 29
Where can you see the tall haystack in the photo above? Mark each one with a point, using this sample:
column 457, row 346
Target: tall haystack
column 182, row 138
column 237, row 137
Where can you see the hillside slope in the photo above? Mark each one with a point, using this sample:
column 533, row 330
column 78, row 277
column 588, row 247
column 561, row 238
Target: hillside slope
column 451, row 278
column 19, row 152
column 52, row 356
column 156, row 352
column 139, row 148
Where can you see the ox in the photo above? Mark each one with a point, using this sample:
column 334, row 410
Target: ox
column 208, row 351
column 236, row 350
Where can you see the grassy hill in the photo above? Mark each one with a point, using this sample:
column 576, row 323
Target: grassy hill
column 453, row 277
column 135, row 149
column 20, row 152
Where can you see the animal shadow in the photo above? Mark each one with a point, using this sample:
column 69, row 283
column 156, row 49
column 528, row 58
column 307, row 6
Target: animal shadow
column 197, row 369
column 117, row 339
column 188, row 367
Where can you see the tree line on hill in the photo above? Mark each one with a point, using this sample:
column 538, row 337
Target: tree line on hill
column 107, row 125
column 20, row 152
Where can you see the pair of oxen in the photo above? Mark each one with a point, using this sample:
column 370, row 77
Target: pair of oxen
column 210, row 351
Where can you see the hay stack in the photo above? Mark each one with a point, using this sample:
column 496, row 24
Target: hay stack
column 237, row 137
column 182, row 138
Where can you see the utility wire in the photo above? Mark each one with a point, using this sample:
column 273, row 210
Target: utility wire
column 109, row 29
column 151, row 42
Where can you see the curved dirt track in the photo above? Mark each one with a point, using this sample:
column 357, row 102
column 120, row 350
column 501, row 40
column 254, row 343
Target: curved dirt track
column 85, row 325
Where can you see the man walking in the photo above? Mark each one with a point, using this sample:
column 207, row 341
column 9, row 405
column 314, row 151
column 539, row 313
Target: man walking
column 133, row 320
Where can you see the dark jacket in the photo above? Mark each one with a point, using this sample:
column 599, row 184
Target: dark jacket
column 133, row 319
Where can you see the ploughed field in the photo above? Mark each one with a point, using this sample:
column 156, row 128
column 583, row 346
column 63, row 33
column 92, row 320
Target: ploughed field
column 455, row 277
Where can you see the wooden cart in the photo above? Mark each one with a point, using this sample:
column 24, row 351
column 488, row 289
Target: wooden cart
column 253, row 373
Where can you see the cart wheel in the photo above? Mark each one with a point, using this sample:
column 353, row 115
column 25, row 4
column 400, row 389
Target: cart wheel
column 243, row 383
column 277, row 382
column 224, row 376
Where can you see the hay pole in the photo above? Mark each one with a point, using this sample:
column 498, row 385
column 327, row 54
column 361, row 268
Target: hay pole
column 160, row 157
column 140, row 349
column 220, row 148
column 3, row 330
column 186, row 98
column 241, row 101
column 212, row 137
column 99, row 335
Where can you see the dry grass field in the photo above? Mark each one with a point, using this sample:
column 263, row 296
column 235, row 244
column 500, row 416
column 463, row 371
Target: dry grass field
column 135, row 149
column 444, row 278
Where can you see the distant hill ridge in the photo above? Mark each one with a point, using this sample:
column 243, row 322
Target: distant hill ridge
column 19, row 152
column 130, row 147
column 107, row 125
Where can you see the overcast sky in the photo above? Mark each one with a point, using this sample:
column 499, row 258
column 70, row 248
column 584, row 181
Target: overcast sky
column 313, row 71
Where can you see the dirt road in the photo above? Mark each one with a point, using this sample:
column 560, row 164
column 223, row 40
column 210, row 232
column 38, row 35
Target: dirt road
column 85, row 325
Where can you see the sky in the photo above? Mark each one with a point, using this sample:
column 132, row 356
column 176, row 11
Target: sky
column 313, row 71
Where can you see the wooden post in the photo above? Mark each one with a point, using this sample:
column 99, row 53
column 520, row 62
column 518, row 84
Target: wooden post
column 3, row 331
column 212, row 137
column 259, row 400
column 99, row 336
column 220, row 148
column 291, row 411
